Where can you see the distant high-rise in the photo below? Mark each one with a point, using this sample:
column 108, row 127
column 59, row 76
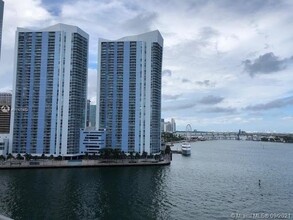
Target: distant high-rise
column 1, row 21
column 88, row 112
column 5, row 111
column 129, row 92
column 50, row 90
column 162, row 124
column 173, row 124
column 93, row 110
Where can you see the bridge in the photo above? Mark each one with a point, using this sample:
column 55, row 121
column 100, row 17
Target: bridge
column 240, row 135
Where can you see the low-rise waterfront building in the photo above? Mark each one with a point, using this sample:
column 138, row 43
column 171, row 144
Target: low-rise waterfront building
column 4, row 144
column 92, row 140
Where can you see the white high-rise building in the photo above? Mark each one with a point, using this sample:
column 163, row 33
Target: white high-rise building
column 49, row 90
column 129, row 92
column 1, row 21
column 173, row 124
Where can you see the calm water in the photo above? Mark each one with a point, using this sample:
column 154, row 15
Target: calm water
column 219, row 178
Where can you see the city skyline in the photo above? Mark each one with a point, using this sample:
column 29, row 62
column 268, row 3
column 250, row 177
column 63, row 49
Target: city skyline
column 226, row 64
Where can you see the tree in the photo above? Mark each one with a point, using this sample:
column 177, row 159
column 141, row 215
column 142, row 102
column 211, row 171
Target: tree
column 19, row 157
column 137, row 156
column 117, row 154
column 123, row 155
column 168, row 149
column 43, row 156
column 10, row 156
column 2, row 157
column 144, row 154
column 51, row 157
column 58, row 158
column 157, row 157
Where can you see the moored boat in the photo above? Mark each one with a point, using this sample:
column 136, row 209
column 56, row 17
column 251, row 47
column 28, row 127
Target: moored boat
column 186, row 149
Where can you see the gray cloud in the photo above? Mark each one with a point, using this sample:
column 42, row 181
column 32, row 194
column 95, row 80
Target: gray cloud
column 206, row 33
column 206, row 83
column 142, row 22
column 219, row 110
column 180, row 106
column 211, row 100
column 185, row 80
column 278, row 103
column 170, row 97
column 249, row 7
column 267, row 63
column 167, row 72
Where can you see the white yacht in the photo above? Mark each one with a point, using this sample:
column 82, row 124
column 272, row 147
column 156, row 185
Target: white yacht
column 186, row 149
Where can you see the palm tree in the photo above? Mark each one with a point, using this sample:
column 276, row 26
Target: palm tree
column 168, row 149
column 123, row 155
column 19, row 157
column 144, row 154
column 117, row 154
column 10, row 156
column 131, row 155
column 43, row 156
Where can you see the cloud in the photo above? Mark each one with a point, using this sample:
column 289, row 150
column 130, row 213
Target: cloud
column 275, row 104
column 185, row 80
column 170, row 97
column 229, row 110
column 267, row 63
column 142, row 22
column 179, row 106
column 206, row 83
column 167, row 72
column 206, row 33
column 211, row 100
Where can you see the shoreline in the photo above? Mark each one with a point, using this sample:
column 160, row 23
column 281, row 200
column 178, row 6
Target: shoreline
column 50, row 164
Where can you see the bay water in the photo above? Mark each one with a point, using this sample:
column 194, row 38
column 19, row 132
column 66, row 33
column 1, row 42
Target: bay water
column 220, row 180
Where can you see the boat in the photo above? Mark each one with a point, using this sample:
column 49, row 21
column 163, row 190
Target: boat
column 186, row 149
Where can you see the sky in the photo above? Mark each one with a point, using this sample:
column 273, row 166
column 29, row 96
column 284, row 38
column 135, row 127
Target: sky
column 227, row 64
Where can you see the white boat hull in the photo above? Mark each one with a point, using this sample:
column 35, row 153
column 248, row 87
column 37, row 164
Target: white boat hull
column 186, row 149
column 186, row 152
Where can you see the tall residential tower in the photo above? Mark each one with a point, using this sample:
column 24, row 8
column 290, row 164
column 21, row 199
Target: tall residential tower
column 50, row 90
column 129, row 92
column 1, row 21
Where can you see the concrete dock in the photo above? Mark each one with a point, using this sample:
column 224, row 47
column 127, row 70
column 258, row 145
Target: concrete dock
column 33, row 164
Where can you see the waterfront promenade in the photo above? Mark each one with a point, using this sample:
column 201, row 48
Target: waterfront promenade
column 47, row 163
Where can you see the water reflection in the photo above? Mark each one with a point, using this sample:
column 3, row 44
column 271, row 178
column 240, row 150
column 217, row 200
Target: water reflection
column 107, row 193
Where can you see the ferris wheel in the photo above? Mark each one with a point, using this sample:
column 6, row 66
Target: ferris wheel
column 188, row 132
